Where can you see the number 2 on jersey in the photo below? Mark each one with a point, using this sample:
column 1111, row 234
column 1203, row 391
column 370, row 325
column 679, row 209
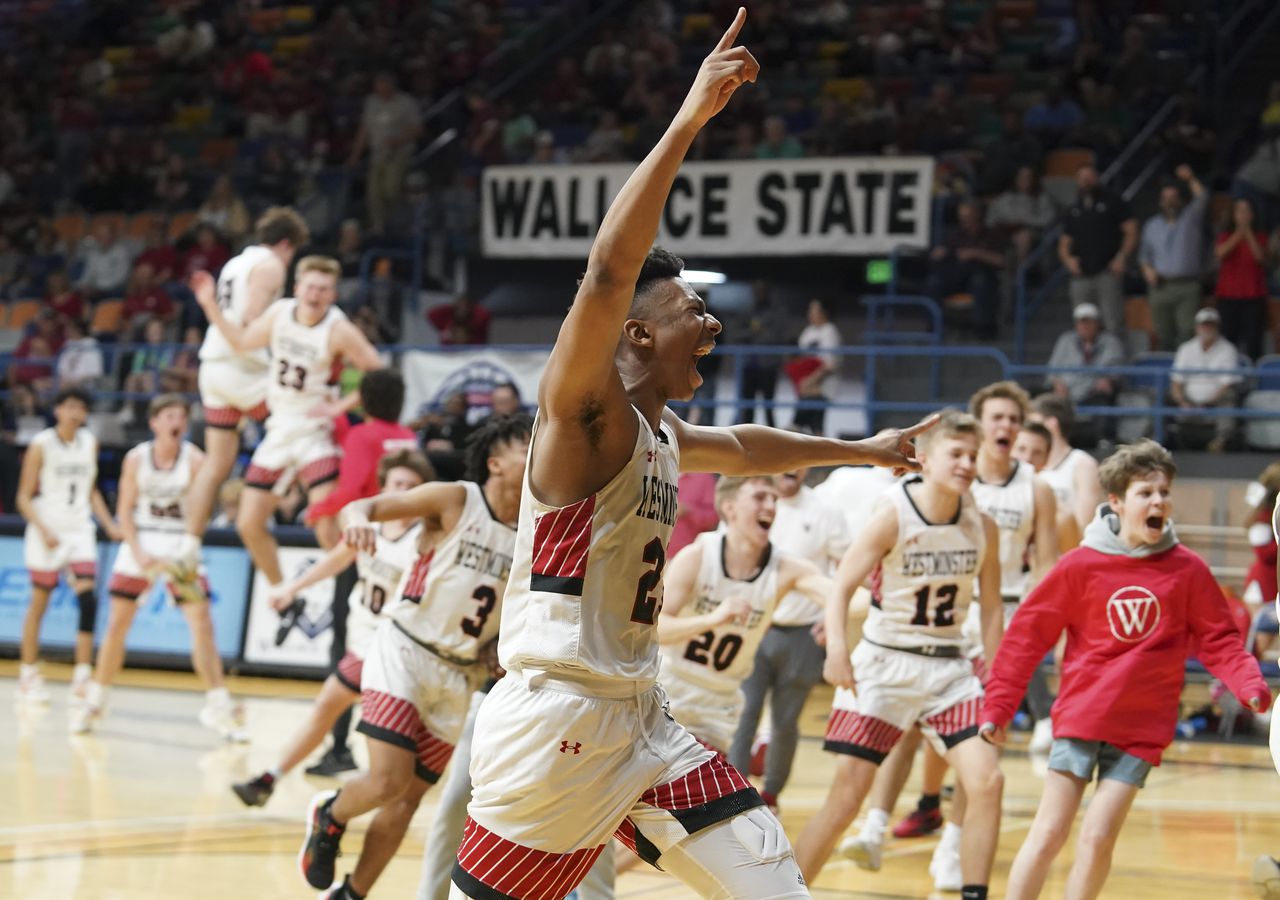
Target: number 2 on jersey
column 721, row 657
column 646, row 607
column 943, row 613
column 299, row 376
column 487, row 597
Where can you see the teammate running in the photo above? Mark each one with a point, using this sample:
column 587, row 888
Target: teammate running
column 380, row 575
column 308, row 337
column 233, row 384
column 58, row 499
column 423, row 665
column 154, row 482
column 573, row 744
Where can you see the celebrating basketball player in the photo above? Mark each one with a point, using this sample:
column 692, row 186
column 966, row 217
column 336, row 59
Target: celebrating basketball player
column 307, row 336
column 1134, row 604
column 1071, row 472
column 154, row 481
column 930, row 543
column 58, row 498
column 574, row 744
column 423, row 666
column 380, row 575
column 233, row 384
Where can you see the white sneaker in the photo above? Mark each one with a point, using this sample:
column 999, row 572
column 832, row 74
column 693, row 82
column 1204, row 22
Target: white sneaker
column 227, row 719
column 945, row 869
column 31, row 689
column 85, row 718
column 1041, row 736
column 1266, row 878
column 865, row 849
column 80, row 679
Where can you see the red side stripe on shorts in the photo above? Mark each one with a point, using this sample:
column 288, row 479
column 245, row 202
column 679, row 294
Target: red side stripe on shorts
column 84, row 569
column 260, row 412
column 417, row 580
column 712, row 780
column 257, row 476
column 397, row 715
column 962, row 716
column 222, row 417
column 127, row 586
column 351, row 667
column 316, row 472
column 519, row 871
column 848, row 727
column 47, row 580
column 561, row 540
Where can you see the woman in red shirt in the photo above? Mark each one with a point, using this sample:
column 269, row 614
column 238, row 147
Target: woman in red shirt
column 1242, row 280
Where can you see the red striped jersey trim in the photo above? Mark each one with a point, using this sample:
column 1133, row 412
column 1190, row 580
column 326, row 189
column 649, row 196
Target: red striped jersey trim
column 561, row 540
column 417, row 581
column 319, row 472
column 503, row 868
column 712, row 780
column 955, row 719
column 866, row 732
column 127, row 586
column 401, row 717
column 259, row 477
column 84, row 569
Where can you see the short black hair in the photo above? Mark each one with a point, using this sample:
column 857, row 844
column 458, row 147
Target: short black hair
column 382, row 394
column 493, row 431
column 73, row 392
column 659, row 265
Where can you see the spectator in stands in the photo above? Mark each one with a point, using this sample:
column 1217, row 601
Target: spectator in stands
column 1172, row 259
column 1242, row 279
column 461, row 322
column 188, row 40
column 389, row 126
column 22, row 417
column 1086, row 346
column 225, row 211
column 765, row 323
column 160, row 254
column 11, row 262
column 146, row 300
column 1055, row 117
column 446, row 429
column 1136, row 71
column 776, row 143
column 275, row 179
column 1099, row 236
column 106, row 262
column 605, row 143
column 45, row 258
column 1108, row 120
column 545, row 151
column 1015, row 148
column 208, row 253
column 62, row 300
column 504, row 400
column 34, row 356
column 817, row 384
column 228, row 503
column 969, row 260
column 80, row 362
column 939, row 124
column 1190, row 137
column 180, row 376
column 1259, row 180
column 143, row 376
column 173, row 188
column 349, row 249
column 1023, row 213
column 1190, row 389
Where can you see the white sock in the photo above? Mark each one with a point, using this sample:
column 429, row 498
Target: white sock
column 95, row 694
column 876, row 822
column 276, row 773
column 82, row 672
column 188, row 546
column 218, row 697
column 28, row 670
column 950, row 837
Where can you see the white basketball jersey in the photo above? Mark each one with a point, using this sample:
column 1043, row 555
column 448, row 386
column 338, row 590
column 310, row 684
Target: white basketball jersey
column 161, row 492
column 233, row 297
column 451, row 597
column 1013, row 507
column 924, row 586
column 586, row 586
column 806, row 527
column 378, row 576
column 1062, row 478
column 68, row 472
column 721, row 658
column 304, row 371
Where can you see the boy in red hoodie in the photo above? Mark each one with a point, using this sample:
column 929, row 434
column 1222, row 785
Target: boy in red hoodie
column 1131, row 599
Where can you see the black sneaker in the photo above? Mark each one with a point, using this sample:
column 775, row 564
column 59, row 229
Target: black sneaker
column 342, row 891
column 289, row 618
column 255, row 792
column 320, row 851
column 335, row 760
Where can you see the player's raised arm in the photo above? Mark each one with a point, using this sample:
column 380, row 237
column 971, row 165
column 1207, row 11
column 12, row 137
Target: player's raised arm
column 581, row 385
column 242, row 338
column 760, row 450
column 440, row 503
column 330, row 565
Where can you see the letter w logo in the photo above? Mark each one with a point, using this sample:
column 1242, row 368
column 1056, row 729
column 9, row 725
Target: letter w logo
column 1133, row 613
column 566, row 747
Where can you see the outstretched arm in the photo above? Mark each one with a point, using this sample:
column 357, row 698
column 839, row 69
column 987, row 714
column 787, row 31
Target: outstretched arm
column 760, row 450
column 242, row 338
column 439, row 503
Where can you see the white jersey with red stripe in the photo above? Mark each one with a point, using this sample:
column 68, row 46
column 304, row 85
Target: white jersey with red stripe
column 925, row 583
column 451, row 598
column 586, row 585
column 379, row 575
column 304, row 371
column 233, row 297
column 161, row 491
column 721, row 658
column 68, row 471
column 1012, row 505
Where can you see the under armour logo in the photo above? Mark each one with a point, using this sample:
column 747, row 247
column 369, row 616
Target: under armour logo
column 565, row 747
column 1133, row 613
column 651, row 454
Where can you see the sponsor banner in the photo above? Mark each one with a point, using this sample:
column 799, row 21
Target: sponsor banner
column 835, row 206
column 306, row 645
column 432, row 377
column 159, row 626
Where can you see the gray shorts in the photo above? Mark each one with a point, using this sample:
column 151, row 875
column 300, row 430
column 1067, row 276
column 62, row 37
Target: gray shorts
column 1080, row 758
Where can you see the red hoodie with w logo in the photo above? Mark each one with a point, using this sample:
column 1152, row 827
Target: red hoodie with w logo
column 1129, row 621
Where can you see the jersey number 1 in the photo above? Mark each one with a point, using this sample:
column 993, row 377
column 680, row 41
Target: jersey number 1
column 646, row 607
column 943, row 613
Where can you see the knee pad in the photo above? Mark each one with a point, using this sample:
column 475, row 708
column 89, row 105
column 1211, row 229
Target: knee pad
column 761, row 835
column 88, row 603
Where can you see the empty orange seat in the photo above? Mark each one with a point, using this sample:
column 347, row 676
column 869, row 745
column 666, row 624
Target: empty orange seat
column 107, row 316
column 142, row 223
column 116, row 220
column 70, row 228
column 180, row 224
column 21, row 312
column 1063, row 163
column 1137, row 317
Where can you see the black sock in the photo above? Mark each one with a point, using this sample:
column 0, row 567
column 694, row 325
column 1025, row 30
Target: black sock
column 973, row 892
column 349, row 891
column 929, row 802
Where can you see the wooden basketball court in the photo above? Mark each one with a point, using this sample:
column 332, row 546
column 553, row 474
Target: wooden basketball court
column 142, row 810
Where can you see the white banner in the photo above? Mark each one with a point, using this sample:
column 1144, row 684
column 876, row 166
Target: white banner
column 431, row 378
column 307, row 644
column 842, row 206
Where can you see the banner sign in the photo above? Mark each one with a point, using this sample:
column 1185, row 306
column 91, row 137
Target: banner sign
column 306, row 645
column 835, row 206
column 431, row 378
column 159, row 626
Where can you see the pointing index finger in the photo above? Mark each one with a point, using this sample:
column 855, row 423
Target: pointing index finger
column 923, row 425
column 732, row 34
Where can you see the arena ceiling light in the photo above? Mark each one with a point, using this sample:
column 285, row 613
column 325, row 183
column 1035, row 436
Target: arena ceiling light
column 703, row 276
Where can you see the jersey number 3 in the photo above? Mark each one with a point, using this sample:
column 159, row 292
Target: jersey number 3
column 487, row 597
column 646, row 607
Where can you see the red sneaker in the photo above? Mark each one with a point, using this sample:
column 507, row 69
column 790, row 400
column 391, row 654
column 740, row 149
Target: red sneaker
column 919, row 823
column 756, row 765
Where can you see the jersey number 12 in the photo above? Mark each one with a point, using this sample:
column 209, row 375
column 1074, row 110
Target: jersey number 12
column 944, row 613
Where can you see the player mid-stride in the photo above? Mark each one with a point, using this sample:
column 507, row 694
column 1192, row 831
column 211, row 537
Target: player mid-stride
column 154, row 482
column 575, row 745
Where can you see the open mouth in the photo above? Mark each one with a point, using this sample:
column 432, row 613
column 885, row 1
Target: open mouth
column 1155, row 523
column 764, row 523
column 1004, row 443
